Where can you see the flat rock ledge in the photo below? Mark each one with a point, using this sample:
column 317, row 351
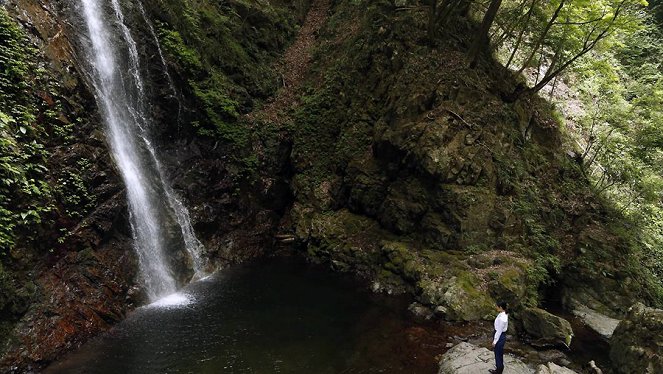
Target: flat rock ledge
column 466, row 358
column 602, row 324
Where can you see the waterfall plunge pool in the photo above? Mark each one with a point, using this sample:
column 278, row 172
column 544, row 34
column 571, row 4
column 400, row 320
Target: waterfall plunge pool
column 268, row 316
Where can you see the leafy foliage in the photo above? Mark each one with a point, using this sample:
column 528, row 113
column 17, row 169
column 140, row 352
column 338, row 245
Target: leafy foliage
column 616, row 96
column 24, row 192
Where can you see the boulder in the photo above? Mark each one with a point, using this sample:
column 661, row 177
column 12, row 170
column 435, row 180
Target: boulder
column 547, row 327
column 637, row 343
column 596, row 321
column 466, row 358
column 457, row 298
column 420, row 311
column 551, row 368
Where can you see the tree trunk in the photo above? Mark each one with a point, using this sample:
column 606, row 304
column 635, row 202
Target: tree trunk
column 542, row 37
column 481, row 38
column 509, row 27
column 432, row 20
column 520, row 35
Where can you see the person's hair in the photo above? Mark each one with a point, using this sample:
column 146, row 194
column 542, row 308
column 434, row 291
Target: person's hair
column 503, row 305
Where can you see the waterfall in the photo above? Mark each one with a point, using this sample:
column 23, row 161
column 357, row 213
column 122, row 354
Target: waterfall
column 159, row 221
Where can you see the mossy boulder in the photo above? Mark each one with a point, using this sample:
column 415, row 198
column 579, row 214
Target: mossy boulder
column 547, row 327
column 637, row 343
column 400, row 258
column 509, row 281
column 457, row 298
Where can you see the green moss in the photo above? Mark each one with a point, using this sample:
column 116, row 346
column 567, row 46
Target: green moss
column 401, row 259
column 468, row 282
column 184, row 56
column 226, row 51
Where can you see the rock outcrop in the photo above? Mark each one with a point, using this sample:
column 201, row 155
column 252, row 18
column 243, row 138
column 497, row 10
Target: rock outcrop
column 637, row 343
column 547, row 327
column 466, row 358
column 603, row 325
column 471, row 188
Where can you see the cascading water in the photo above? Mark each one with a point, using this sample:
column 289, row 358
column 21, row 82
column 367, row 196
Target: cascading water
column 159, row 220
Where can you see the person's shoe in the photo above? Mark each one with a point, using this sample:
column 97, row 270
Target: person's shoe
column 492, row 371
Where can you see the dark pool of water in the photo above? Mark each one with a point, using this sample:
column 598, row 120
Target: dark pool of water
column 276, row 316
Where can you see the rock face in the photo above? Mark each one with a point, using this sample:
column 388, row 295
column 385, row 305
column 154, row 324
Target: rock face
column 86, row 295
column 547, row 327
column 435, row 162
column 602, row 324
column 637, row 343
column 466, row 358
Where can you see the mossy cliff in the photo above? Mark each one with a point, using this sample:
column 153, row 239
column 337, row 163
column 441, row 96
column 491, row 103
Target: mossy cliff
column 411, row 169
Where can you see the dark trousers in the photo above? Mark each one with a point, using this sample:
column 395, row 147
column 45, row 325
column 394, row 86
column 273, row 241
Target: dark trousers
column 499, row 352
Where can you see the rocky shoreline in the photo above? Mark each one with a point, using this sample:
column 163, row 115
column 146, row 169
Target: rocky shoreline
column 633, row 348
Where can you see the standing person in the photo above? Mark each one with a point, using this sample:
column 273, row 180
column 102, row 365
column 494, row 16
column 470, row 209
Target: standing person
column 501, row 325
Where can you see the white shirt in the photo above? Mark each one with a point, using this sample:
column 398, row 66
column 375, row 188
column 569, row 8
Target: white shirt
column 501, row 325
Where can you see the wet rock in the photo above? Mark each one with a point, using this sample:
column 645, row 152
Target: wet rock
column 466, row 358
column 552, row 355
column 551, row 368
column 86, row 294
column 592, row 368
column 547, row 327
column 636, row 345
column 420, row 311
column 602, row 324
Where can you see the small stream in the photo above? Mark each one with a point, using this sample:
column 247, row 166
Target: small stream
column 270, row 316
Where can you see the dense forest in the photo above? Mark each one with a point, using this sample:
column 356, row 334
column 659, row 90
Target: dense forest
column 458, row 152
